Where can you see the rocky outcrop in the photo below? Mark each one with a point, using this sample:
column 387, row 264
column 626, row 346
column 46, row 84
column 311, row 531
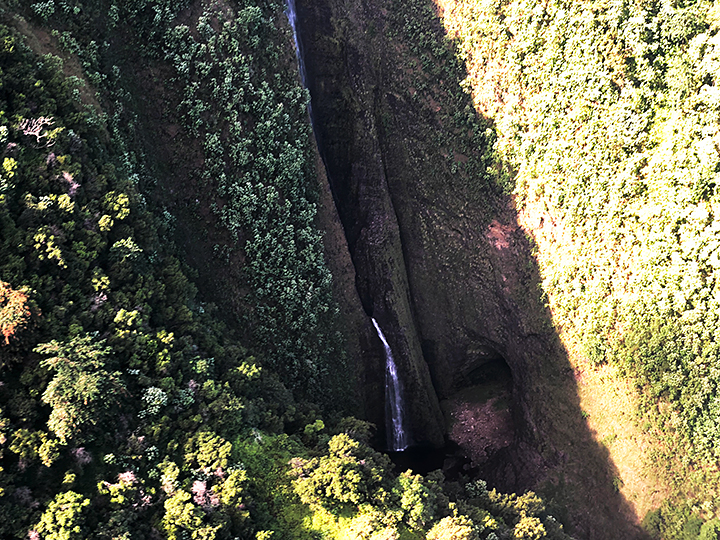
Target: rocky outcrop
column 349, row 141
column 426, row 251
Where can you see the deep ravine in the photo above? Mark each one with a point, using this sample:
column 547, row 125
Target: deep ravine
column 439, row 259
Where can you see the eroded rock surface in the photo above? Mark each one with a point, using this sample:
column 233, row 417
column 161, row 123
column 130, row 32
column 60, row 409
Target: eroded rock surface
column 434, row 247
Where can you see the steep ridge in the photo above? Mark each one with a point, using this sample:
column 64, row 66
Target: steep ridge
column 425, row 255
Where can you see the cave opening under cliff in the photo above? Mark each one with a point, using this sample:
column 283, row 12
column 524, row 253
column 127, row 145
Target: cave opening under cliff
column 478, row 420
column 479, row 415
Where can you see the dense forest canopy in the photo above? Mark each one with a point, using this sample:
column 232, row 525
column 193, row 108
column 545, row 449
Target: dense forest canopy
column 136, row 403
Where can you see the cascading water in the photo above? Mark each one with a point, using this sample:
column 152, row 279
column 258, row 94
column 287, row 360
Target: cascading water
column 397, row 437
column 291, row 13
column 292, row 17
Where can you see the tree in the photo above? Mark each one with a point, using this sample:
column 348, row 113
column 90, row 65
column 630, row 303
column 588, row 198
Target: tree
column 453, row 528
column 529, row 528
column 81, row 390
column 207, row 451
column 183, row 517
column 350, row 474
column 14, row 311
column 417, row 500
column 710, row 530
column 64, row 517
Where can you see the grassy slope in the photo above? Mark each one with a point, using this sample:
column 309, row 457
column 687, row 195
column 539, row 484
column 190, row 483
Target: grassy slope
column 608, row 112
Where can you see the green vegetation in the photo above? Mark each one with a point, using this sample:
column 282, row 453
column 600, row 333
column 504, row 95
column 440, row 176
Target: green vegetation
column 466, row 140
column 608, row 110
column 250, row 120
column 129, row 410
column 351, row 487
column 80, row 390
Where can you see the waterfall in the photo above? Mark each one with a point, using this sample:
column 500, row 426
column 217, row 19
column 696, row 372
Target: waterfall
column 292, row 17
column 396, row 435
column 291, row 13
column 397, row 438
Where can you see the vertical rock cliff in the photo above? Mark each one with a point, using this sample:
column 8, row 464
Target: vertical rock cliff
column 438, row 257
column 344, row 92
column 416, row 204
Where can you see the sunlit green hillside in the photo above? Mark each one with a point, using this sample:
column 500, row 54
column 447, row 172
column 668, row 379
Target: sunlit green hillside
column 608, row 115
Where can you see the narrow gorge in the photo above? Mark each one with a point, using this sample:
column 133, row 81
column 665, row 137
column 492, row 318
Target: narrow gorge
column 439, row 261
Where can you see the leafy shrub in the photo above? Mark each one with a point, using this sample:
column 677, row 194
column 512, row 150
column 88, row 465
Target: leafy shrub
column 81, row 389
column 64, row 517
column 453, row 528
column 350, row 474
column 14, row 310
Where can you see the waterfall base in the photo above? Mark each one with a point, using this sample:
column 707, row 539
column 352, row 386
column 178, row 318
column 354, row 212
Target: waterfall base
column 479, row 424
column 479, row 417
column 450, row 459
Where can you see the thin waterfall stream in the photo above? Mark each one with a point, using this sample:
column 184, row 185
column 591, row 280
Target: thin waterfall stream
column 292, row 18
column 397, row 437
column 291, row 13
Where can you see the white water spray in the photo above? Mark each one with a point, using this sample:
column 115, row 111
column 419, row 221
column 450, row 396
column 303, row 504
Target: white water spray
column 397, row 438
column 291, row 13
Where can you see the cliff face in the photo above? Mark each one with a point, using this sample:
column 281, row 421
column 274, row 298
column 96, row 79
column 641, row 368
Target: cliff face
column 344, row 91
column 438, row 256
column 439, row 261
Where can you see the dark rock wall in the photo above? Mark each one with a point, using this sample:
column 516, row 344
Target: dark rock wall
column 439, row 260
column 341, row 81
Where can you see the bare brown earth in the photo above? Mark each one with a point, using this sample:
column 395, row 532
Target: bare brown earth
column 42, row 43
column 479, row 427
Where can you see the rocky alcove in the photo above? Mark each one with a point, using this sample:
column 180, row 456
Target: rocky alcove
column 479, row 416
